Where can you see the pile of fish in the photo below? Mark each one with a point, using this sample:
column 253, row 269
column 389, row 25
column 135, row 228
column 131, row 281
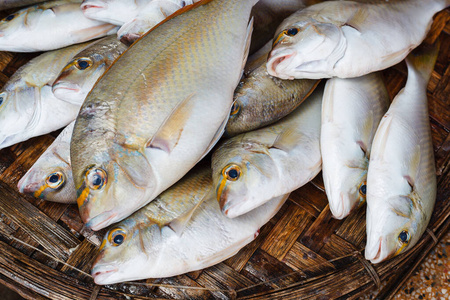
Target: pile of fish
column 143, row 118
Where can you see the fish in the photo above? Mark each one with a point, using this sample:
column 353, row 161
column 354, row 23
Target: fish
column 50, row 178
column 80, row 74
column 401, row 180
column 348, row 38
column 182, row 230
column 261, row 99
column 28, row 107
column 5, row 4
column 48, row 26
column 254, row 167
column 149, row 16
column 158, row 110
column 116, row 12
column 352, row 108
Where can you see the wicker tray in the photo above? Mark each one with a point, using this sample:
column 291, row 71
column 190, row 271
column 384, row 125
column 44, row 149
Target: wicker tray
column 302, row 253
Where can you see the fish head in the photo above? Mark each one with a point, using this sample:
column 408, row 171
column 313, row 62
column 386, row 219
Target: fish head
column 78, row 77
column 116, row 12
column 307, row 49
column 243, row 175
column 112, row 182
column 19, row 111
column 122, row 253
column 393, row 229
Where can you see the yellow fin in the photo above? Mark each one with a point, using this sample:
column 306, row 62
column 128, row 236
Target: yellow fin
column 423, row 59
column 179, row 224
column 287, row 140
column 170, row 131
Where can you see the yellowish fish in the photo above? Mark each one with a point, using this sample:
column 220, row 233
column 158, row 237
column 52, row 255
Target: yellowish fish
column 158, row 110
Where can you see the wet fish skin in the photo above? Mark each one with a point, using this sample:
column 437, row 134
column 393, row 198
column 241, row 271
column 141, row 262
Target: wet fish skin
column 116, row 12
column 148, row 17
column 28, row 107
column 121, row 157
column 48, row 26
column 351, row 111
column 79, row 76
column 50, row 178
column 253, row 167
column 261, row 99
column 347, row 38
column 153, row 248
column 401, row 181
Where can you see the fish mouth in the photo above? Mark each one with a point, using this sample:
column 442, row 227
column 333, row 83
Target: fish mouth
column 101, row 273
column 67, row 92
column 25, row 187
column 279, row 61
column 375, row 257
column 340, row 210
column 101, row 221
column 91, row 5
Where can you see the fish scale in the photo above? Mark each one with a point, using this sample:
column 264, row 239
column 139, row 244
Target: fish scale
column 177, row 81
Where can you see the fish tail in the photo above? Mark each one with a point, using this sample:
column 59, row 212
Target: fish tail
column 423, row 59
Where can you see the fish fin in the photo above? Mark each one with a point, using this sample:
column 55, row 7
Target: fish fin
column 216, row 137
column 94, row 32
column 423, row 59
column 30, row 20
column 247, row 43
column 414, row 164
column 358, row 19
column 366, row 132
column 168, row 135
column 37, row 112
column 287, row 140
column 179, row 224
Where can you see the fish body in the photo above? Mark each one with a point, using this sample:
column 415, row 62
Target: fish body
column 80, row 74
column 261, row 99
column 351, row 111
column 49, row 26
column 181, row 231
column 348, row 38
column 50, row 178
column 5, row 4
column 116, row 12
column 254, row 167
column 28, row 107
column 158, row 110
column 401, row 181
column 148, row 17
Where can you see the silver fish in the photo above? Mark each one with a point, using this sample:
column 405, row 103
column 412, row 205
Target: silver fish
column 49, row 26
column 162, row 240
column 401, row 181
column 79, row 76
column 348, row 38
column 50, row 178
column 351, row 111
column 28, row 107
column 5, row 4
column 158, row 110
column 254, row 167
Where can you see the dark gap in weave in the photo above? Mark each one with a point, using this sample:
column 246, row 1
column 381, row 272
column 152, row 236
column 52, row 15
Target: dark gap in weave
column 369, row 268
column 95, row 292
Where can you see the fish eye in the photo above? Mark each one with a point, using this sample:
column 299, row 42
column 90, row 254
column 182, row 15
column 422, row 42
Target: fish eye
column 117, row 236
column 2, row 98
column 83, row 63
column 232, row 172
column 235, row 109
column 291, row 31
column 363, row 189
column 404, row 237
column 96, row 178
column 10, row 17
column 55, row 180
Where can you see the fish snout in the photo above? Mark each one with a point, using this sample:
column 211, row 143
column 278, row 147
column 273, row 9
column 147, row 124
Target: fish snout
column 101, row 272
column 373, row 251
column 68, row 92
column 340, row 208
column 278, row 62
column 26, row 187
column 100, row 221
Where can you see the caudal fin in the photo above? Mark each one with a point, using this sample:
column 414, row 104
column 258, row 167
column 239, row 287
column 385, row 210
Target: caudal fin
column 422, row 59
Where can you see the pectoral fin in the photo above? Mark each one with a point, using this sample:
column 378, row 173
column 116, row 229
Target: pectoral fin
column 168, row 135
column 358, row 19
column 287, row 140
column 179, row 224
column 216, row 137
column 247, row 42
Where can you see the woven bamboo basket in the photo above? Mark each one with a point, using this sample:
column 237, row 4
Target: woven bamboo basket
column 302, row 253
